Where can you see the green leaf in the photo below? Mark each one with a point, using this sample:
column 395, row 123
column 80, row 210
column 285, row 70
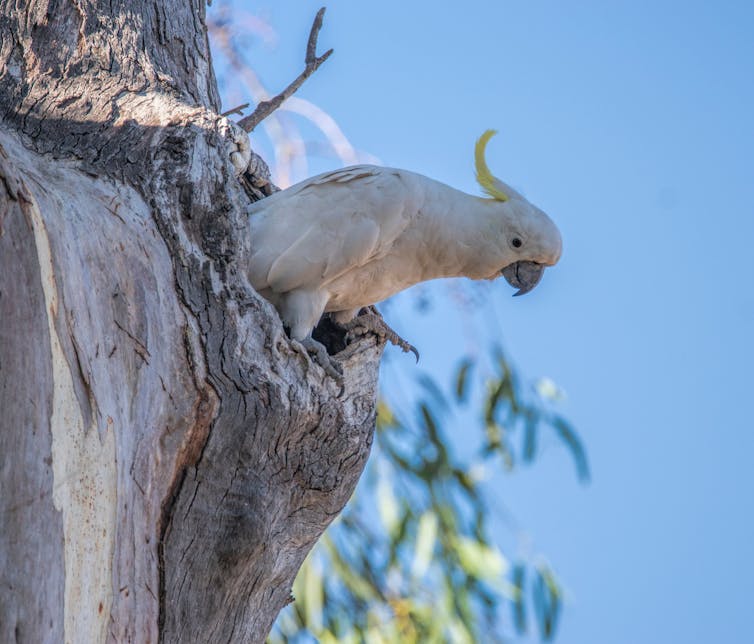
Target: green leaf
column 385, row 417
column 314, row 593
column 530, row 438
column 374, row 636
column 547, row 601
column 462, row 378
column 519, row 607
column 387, row 505
column 569, row 437
column 429, row 420
column 479, row 559
column 458, row 632
column 494, row 434
column 495, row 392
column 433, row 434
column 426, row 536
column 326, row 637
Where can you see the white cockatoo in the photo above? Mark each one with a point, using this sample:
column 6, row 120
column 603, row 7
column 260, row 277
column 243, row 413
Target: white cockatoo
column 347, row 239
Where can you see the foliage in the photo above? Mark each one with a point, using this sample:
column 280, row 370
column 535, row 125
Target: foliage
column 412, row 558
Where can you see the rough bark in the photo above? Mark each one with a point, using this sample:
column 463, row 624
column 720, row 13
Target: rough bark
column 167, row 455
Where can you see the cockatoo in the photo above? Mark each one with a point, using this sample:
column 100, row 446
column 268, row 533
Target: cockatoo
column 347, row 239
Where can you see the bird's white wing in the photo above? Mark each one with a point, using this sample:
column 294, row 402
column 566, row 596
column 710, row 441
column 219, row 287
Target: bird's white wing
column 315, row 231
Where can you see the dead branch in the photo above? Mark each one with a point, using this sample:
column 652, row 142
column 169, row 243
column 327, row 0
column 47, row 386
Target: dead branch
column 236, row 110
column 312, row 62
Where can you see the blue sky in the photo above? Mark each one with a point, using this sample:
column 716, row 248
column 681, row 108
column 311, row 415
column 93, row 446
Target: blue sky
column 632, row 125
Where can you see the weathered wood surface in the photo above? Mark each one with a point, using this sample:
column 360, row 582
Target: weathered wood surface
column 167, row 455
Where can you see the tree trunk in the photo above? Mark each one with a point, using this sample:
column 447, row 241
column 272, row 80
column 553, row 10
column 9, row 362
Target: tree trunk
column 167, row 455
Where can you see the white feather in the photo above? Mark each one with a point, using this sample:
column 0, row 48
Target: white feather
column 353, row 237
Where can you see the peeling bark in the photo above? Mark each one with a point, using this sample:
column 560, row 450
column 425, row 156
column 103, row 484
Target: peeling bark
column 167, row 455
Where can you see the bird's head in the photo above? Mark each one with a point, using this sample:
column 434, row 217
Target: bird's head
column 530, row 239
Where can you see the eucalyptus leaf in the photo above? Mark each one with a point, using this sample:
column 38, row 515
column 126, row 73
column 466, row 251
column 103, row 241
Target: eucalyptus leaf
column 462, row 379
column 426, row 536
column 480, row 559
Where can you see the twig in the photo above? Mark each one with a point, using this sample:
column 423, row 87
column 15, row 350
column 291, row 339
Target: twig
column 236, row 110
column 265, row 108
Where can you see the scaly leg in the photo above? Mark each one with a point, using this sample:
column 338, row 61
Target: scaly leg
column 372, row 321
column 319, row 352
column 300, row 311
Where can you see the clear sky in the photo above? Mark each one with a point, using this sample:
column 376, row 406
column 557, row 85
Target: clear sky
column 632, row 125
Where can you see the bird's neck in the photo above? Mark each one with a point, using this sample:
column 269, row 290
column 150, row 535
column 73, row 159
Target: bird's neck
column 463, row 232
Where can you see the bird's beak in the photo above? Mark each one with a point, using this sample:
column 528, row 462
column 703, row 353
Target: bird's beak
column 523, row 275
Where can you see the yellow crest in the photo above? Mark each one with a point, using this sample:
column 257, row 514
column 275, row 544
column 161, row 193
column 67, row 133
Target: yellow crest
column 490, row 184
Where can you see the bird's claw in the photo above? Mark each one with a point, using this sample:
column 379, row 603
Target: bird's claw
column 318, row 351
column 372, row 321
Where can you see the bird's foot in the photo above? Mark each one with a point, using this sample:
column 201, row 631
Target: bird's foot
column 318, row 351
column 370, row 320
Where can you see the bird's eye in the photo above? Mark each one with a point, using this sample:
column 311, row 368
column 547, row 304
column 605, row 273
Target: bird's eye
column 516, row 242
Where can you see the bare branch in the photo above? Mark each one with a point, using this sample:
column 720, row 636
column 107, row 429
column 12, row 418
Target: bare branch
column 265, row 108
column 236, row 110
column 311, row 45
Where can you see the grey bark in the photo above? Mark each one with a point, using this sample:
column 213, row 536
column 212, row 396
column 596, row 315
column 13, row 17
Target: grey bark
column 167, row 455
